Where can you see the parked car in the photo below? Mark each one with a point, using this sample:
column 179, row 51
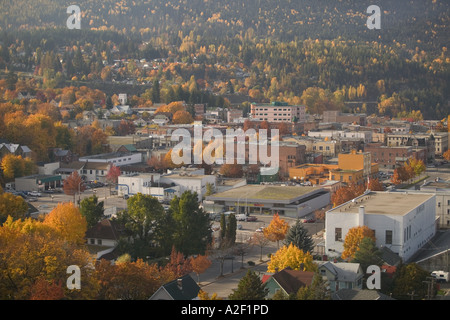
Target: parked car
column 260, row 229
column 239, row 226
column 34, row 194
column 310, row 220
column 251, row 218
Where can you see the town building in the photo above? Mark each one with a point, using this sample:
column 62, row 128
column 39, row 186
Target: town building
column 391, row 157
column 353, row 167
column 441, row 189
column 436, row 142
column 115, row 158
column 341, row 275
column 278, row 112
column 337, row 116
column 402, row 222
column 290, row 201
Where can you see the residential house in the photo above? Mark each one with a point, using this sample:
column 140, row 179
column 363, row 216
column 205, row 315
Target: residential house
column 15, row 149
column 183, row 288
column 288, row 281
column 341, row 275
column 103, row 238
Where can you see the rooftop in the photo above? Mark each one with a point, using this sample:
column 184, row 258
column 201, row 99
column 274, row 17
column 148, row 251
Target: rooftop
column 264, row 192
column 397, row 203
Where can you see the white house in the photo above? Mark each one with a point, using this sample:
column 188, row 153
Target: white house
column 403, row 222
column 190, row 182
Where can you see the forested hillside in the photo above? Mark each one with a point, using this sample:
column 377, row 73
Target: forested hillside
column 285, row 50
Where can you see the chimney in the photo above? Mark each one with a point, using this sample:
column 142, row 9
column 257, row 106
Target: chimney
column 180, row 284
column 361, row 213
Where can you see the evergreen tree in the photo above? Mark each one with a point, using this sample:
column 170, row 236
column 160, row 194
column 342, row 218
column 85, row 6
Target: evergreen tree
column 316, row 291
column 368, row 254
column 299, row 237
column 250, row 287
column 156, row 98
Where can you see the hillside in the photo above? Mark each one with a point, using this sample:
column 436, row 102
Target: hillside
column 413, row 22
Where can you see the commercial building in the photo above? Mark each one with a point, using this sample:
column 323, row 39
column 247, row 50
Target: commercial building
column 436, row 142
column 38, row 182
column 116, row 158
column 290, row 201
column 441, row 189
column 391, row 157
column 352, row 167
column 402, row 222
column 278, row 112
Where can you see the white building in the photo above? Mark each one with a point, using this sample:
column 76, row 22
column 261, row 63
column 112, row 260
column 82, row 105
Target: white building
column 403, row 222
column 116, row 158
column 164, row 187
column 365, row 136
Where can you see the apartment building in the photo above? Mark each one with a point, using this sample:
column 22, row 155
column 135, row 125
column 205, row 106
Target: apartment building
column 278, row 112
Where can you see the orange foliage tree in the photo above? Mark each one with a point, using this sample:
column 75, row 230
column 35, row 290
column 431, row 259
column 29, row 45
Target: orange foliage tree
column 182, row 117
column 277, row 229
column 66, row 219
column 73, row 185
column 200, row 264
column 353, row 239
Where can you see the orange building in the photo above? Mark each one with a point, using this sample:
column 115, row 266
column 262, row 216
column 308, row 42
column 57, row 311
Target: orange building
column 351, row 167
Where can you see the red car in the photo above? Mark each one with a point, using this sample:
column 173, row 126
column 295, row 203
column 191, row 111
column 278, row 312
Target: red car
column 311, row 220
column 251, row 218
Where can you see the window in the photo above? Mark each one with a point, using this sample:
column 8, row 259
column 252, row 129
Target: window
column 388, row 239
column 338, row 234
column 99, row 242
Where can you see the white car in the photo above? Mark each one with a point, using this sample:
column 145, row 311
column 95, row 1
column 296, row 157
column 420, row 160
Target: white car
column 34, row 194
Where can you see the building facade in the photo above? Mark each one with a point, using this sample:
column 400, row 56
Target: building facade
column 278, row 112
column 402, row 222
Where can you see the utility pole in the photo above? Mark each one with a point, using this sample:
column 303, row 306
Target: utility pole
column 430, row 284
column 412, row 295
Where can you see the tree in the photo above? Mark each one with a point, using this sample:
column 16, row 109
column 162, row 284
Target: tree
column 293, row 257
column 446, row 155
column 231, row 170
column 12, row 206
column 347, row 193
column 178, row 264
column 182, row 117
column 203, row 295
column 200, row 264
column 73, row 185
column 67, row 220
column 15, row 166
column 276, row 230
column 145, row 222
column 409, row 279
column 250, row 287
column 353, row 240
column 299, row 237
column 258, row 239
column 92, row 210
column 112, row 177
column 316, row 291
column 192, row 227
column 368, row 254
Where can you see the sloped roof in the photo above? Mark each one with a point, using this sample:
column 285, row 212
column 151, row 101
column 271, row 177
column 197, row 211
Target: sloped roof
column 292, row 280
column 358, row 294
column 187, row 291
column 105, row 229
column 343, row 271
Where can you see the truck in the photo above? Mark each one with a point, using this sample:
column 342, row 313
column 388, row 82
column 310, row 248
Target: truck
column 440, row 276
column 241, row 217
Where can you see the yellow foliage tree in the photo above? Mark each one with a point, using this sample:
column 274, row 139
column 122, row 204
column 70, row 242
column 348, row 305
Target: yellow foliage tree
column 13, row 206
column 67, row 220
column 293, row 257
column 203, row 295
column 277, row 229
column 353, row 240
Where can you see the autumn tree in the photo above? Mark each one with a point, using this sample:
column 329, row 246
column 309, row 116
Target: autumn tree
column 67, row 220
column 178, row 264
column 277, row 229
column 232, row 170
column 112, row 176
column 73, row 185
column 409, row 279
column 33, row 253
column 353, row 240
column 293, row 257
column 15, row 166
column 203, row 295
column 446, row 155
column 182, row 117
column 258, row 239
column 250, row 287
column 346, row 193
column 200, row 264
column 12, row 206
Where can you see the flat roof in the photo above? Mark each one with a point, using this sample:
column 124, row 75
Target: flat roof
column 396, row 203
column 265, row 192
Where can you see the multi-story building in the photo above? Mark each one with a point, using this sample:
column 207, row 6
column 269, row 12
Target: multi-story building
column 353, row 167
column 436, row 142
column 278, row 112
column 402, row 222
column 337, row 116
column 441, row 189
column 392, row 157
